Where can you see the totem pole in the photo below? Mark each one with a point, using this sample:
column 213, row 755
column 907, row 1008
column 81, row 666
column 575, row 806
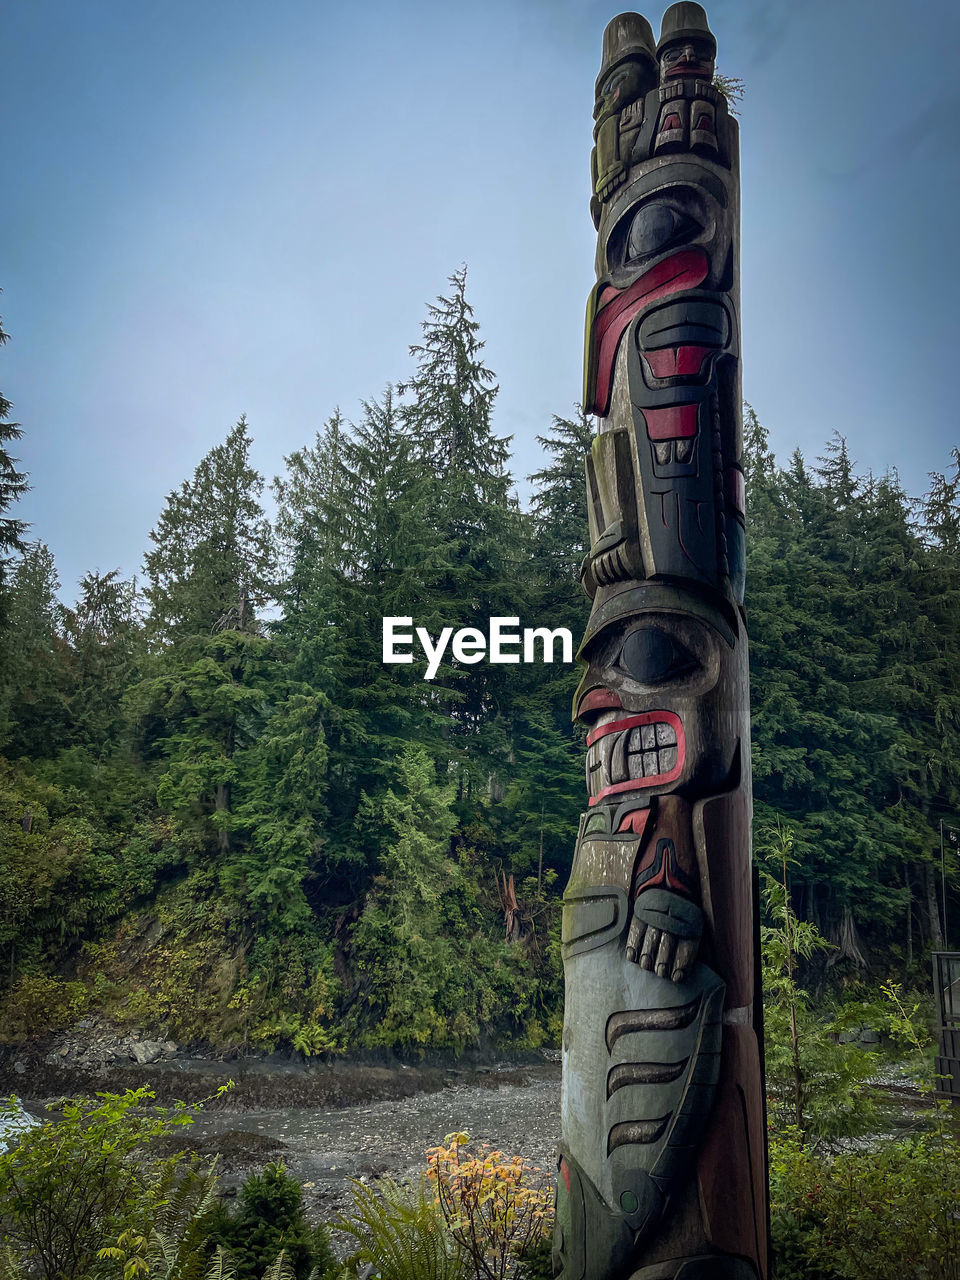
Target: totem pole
column 663, row 1162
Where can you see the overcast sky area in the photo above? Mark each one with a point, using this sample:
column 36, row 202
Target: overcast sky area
column 215, row 208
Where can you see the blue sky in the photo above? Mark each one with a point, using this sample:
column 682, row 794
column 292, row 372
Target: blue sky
column 220, row 208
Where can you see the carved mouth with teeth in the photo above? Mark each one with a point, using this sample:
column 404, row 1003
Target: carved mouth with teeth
column 644, row 750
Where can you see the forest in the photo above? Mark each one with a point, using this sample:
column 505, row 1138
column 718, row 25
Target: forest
column 224, row 819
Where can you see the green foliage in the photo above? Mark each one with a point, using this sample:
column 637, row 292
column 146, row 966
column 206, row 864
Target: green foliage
column 213, row 561
column 13, row 485
column 38, row 1004
column 401, row 1231
column 175, row 1240
column 413, row 941
column 231, row 819
column 34, row 680
column 175, row 970
column 816, row 1081
column 72, row 1186
column 732, row 88
column 268, row 1222
column 867, row 1215
column 853, row 614
column 58, row 868
column 536, row 1261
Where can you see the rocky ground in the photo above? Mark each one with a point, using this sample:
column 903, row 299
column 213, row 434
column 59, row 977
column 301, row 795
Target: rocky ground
column 516, row 1110
column 329, row 1122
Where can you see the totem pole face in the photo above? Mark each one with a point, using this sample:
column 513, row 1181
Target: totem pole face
column 661, row 1080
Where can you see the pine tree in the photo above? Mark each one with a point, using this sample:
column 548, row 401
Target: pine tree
column 452, row 395
column 104, row 633
column 213, row 563
column 212, row 568
column 310, row 530
column 34, row 673
column 13, row 485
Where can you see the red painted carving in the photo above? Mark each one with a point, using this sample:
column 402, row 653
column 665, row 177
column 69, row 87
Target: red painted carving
column 675, row 422
column 599, row 700
column 635, row 821
column 683, row 270
column 669, row 860
column 675, row 362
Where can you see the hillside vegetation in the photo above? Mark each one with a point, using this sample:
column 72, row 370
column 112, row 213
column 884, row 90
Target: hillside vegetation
column 223, row 818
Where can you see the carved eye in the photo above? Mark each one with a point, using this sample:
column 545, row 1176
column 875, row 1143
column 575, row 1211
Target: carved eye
column 615, row 81
column 652, row 656
column 656, row 227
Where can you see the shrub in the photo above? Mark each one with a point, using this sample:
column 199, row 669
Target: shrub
column 38, row 1004
column 71, row 1187
column 867, row 1215
column 268, row 1220
column 498, row 1209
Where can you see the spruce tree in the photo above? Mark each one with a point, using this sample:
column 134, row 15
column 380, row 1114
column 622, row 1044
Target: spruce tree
column 212, row 566
column 13, row 485
column 104, row 633
column 544, row 796
column 449, row 416
column 211, row 570
column 34, row 673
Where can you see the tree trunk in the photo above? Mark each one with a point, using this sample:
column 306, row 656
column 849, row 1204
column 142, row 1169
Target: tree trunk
column 222, row 805
column 933, row 909
column 511, row 910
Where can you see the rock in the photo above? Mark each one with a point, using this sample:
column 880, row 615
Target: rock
column 146, row 1051
column 170, row 1048
column 20, row 1067
column 869, row 1036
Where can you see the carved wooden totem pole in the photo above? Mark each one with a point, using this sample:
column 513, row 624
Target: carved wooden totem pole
column 663, row 1163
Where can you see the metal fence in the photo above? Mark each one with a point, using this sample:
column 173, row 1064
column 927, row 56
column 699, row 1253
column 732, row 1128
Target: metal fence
column 946, row 985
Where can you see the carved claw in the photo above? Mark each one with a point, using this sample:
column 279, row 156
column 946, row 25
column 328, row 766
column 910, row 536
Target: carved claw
column 664, row 933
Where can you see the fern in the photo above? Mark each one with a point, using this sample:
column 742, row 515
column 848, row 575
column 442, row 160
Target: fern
column 402, row 1232
column 220, row 1268
column 11, row 1267
column 280, row 1268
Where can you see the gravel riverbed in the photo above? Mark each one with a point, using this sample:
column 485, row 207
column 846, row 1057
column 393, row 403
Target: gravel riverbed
column 326, row 1148
column 331, row 1123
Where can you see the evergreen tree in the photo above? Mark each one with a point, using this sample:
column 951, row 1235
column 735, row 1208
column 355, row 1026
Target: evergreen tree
column 545, row 792
column 34, row 673
column 453, row 395
column 103, row 631
column 13, row 485
column 268, row 1218
column 311, row 535
column 484, row 535
column 212, row 566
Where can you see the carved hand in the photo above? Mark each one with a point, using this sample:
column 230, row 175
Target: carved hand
column 664, row 933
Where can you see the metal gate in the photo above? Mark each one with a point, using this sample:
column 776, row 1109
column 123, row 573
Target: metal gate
column 946, row 985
